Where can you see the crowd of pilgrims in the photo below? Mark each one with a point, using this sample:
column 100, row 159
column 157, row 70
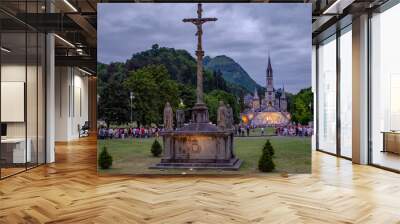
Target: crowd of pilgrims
column 280, row 130
column 111, row 133
column 240, row 130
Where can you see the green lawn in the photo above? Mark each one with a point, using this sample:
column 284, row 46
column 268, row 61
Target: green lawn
column 292, row 155
column 257, row 132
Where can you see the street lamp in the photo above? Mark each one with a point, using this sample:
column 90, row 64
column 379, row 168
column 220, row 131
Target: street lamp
column 131, row 97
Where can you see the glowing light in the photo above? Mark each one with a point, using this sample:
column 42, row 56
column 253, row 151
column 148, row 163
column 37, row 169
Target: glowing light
column 245, row 119
column 266, row 118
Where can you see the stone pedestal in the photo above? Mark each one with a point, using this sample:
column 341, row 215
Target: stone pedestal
column 199, row 146
column 200, row 113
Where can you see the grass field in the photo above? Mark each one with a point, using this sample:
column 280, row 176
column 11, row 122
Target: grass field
column 268, row 131
column 131, row 156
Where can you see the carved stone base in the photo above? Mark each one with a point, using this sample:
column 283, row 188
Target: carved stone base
column 232, row 164
column 200, row 113
column 200, row 146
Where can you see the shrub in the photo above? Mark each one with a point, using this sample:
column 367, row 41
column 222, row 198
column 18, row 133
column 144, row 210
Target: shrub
column 105, row 159
column 265, row 164
column 156, row 148
column 269, row 148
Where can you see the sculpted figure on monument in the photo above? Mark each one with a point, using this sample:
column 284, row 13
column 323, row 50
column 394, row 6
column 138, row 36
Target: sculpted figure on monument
column 222, row 115
column 180, row 118
column 168, row 117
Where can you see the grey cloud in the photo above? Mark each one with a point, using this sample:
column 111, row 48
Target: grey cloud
column 245, row 32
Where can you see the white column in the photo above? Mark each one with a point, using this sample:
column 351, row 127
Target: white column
column 360, row 89
column 50, row 92
column 50, row 101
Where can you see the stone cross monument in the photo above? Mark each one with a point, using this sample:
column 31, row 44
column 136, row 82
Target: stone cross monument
column 199, row 144
column 200, row 111
column 198, row 22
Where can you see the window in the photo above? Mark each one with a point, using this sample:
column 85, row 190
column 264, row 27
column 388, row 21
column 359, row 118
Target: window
column 385, row 89
column 22, row 88
column 327, row 95
column 346, row 93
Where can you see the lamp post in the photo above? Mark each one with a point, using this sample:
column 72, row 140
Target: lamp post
column 131, row 97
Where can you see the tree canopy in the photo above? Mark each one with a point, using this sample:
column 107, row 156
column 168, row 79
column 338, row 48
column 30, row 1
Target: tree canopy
column 154, row 77
column 300, row 106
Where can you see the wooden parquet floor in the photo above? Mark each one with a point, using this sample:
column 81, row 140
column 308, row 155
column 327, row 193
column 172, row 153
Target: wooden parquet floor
column 70, row 191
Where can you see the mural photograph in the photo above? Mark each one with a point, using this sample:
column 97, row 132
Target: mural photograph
column 204, row 88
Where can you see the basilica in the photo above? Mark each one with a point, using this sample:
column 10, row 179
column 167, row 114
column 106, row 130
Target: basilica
column 275, row 99
column 270, row 110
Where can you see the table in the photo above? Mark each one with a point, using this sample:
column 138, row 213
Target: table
column 13, row 150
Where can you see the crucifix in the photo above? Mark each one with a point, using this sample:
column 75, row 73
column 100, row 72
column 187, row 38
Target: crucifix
column 198, row 22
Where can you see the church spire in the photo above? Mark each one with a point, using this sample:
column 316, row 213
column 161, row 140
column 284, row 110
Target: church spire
column 255, row 94
column 269, row 68
column 283, row 92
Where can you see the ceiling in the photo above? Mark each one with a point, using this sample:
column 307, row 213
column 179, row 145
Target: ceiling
column 75, row 21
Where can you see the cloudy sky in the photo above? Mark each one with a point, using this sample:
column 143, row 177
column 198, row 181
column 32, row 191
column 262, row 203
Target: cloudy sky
column 245, row 32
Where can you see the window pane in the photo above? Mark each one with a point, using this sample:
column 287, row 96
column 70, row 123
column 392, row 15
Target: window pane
column 327, row 96
column 346, row 94
column 31, row 97
column 13, row 86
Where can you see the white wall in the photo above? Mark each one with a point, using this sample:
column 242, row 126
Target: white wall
column 71, row 103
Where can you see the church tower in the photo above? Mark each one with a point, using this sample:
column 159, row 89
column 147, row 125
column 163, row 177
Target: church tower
column 270, row 94
column 256, row 101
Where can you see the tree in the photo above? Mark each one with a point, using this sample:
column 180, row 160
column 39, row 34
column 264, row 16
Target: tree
column 212, row 100
column 300, row 106
column 156, row 149
column 266, row 164
column 188, row 95
column 268, row 147
column 105, row 159
column 152, row 88
column 113, row 106
column 114, row 103
column 242, row 106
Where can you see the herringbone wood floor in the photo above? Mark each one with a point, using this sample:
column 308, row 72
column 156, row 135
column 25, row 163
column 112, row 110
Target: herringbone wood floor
column 70, row 191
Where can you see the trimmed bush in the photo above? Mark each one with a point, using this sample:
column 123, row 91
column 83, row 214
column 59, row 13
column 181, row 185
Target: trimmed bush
column 269, row 148
column 105, row 159
column 156, row 149
column 265, row 164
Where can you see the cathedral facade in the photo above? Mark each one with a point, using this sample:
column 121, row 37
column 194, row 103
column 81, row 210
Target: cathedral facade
column 271, row 109
column 274, row 100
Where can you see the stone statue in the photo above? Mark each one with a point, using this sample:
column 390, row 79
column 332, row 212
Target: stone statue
column 222, row 115
column 180, row 118
column 168, row 117
column 230, row 116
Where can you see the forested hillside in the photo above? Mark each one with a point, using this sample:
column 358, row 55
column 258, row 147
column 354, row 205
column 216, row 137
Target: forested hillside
column 154, row 77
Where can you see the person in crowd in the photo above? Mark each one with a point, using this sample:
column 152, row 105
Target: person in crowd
column 110, row 133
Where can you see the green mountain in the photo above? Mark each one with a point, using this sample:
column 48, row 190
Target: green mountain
column 231, row 71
